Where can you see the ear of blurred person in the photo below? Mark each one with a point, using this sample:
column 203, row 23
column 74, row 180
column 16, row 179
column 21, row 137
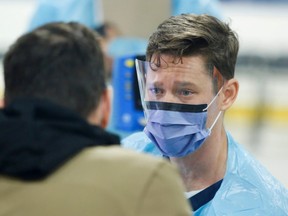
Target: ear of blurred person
column 116, row 45
column 56, row 157
column 108, row 31
column 101, row 114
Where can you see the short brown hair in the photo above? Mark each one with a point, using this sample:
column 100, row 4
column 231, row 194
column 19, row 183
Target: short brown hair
column 188, row 34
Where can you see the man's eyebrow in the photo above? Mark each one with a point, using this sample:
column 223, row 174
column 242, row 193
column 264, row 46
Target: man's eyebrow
column 184, row 83
column 159, row 84
column 176, row 83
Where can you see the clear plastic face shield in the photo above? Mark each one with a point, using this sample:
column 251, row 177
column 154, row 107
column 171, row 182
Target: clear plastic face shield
column 170, row 85
column 176, row 118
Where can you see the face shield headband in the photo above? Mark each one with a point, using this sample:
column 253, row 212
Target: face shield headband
column 176, row 129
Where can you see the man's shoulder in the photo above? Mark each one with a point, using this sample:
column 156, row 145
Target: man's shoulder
column 107, row 180
column 116, row 153
column 119, row 171
column 245, row 166
column 98, row 162
column 249, row 182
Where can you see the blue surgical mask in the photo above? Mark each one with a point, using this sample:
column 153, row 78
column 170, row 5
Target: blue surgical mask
column 178, row 129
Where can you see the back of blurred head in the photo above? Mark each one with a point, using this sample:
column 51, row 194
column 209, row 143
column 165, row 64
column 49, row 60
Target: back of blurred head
column 59, row 62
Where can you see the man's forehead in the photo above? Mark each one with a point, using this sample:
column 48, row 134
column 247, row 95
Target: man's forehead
column 179, row 68
column 180, row 78
column 185, row 64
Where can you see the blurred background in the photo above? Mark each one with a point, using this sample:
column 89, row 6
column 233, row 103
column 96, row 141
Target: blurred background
column 259, row 118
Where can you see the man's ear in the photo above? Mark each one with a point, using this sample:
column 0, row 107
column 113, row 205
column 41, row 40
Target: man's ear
column 2, row 104
column 106, row 107
column 101, row 115
column 229, row 93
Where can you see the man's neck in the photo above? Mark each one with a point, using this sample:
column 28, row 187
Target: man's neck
column 205, row 166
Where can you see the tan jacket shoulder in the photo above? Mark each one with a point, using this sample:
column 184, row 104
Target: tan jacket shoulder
column 99, row 181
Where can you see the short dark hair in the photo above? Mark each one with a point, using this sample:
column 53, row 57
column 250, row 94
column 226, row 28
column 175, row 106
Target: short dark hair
column 188, row 34
column 61, row 62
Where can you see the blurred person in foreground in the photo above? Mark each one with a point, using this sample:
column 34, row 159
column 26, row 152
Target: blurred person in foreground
column 187, row 84
column 56, row 158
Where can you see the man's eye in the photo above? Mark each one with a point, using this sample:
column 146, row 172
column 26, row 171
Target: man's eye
column 185, row 92
column 156, row 91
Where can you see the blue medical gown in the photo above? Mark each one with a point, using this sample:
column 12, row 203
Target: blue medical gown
column 247, row 188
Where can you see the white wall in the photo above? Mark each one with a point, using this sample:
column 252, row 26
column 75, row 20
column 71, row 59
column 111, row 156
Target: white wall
column 262, row 28
column 14, row 18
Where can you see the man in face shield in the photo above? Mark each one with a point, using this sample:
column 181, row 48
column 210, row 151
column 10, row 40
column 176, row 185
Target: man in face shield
column 186, row 84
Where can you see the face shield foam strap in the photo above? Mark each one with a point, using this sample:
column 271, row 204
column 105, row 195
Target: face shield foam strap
column 155, row 105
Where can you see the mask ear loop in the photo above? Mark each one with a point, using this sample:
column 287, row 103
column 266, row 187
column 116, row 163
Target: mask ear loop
column 218, row 74
column 213, row 99
column 216, row 119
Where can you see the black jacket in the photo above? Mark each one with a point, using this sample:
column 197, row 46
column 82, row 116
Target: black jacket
column 36, row 137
